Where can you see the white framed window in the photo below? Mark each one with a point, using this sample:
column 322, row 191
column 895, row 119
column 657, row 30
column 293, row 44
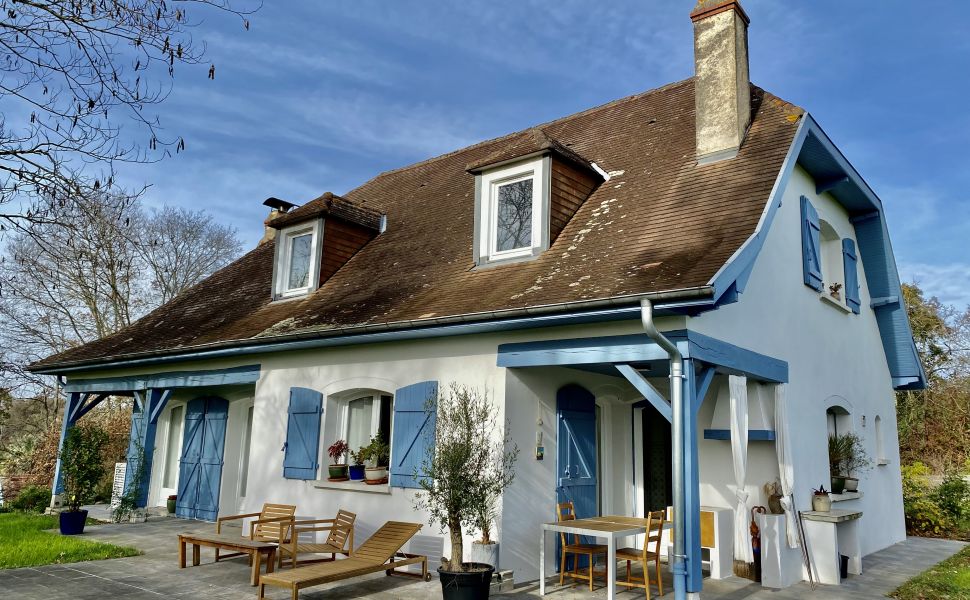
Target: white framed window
column 297, row 268
column 365, row 415
column 512, row 211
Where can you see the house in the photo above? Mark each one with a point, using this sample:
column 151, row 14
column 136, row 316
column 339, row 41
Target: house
column 706, row 230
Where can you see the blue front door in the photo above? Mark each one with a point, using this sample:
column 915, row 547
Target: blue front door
column 576, row 456
column 200, row 468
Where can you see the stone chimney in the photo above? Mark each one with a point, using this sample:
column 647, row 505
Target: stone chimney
column 277, row 207
column 722, row 93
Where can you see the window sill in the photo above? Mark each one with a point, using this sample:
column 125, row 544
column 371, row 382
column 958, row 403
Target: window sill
column 836, row 303
column 845, row 496
column 352, row 486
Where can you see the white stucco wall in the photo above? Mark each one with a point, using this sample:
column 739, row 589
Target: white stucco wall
column 833, row 357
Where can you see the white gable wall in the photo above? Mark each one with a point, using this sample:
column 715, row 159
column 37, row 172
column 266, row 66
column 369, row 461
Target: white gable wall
column 833, row 357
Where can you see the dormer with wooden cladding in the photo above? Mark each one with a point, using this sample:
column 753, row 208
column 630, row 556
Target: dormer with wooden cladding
column 316, row 239
column 525, row 194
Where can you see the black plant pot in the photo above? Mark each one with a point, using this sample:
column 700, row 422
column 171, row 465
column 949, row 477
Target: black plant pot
column 72, row 522
column 471, row 585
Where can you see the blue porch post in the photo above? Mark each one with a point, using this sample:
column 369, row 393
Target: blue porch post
column 697, row 380
column 141, row 442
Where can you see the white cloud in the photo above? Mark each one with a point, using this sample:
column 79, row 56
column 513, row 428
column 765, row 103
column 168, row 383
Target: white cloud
column 949, row 282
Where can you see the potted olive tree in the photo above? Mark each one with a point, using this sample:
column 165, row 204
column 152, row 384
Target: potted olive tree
column 847, row 459
column 468, row 462
column 82, row 467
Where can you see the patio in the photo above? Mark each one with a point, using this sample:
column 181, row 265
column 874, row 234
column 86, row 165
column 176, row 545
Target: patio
column 156, row 574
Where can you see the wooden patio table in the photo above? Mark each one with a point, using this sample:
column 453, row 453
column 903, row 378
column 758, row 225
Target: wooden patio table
column 610, row 527
column 236, row 543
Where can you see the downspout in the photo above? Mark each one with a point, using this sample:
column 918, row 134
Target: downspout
column 677, row 441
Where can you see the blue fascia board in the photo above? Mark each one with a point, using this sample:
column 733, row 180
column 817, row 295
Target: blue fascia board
column 735, row 272
column 754, row 435
column 636, row 348
column 248, row 374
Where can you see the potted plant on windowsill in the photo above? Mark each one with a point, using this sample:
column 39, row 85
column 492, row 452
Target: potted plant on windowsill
column 466, row 463
column 357, row 459
column 82, row 467
column 821, row 501
column 338, row 470
column 378, row 455
column 848, row 458
column 835, row 291
column 170, row 504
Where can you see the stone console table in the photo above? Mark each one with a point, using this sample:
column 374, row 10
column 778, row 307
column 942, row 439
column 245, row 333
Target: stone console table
column 829, row 534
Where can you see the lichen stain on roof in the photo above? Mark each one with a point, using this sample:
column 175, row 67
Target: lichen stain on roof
column 682, row 219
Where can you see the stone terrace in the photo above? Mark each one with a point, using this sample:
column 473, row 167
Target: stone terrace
column 156, row 574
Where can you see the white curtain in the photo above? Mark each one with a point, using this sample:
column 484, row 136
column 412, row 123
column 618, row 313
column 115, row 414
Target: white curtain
column 739, row 451
column 785, row 467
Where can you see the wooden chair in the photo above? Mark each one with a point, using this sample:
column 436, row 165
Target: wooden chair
column 270, row 525
column 565, row 511
column 339, row 541
column 655, row 524
column 381, row 552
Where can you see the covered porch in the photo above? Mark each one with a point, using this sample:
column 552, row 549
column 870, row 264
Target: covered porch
column 184, row 427
column 624, row 383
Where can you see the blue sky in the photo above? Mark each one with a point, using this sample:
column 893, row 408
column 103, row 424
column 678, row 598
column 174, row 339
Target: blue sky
column 321, row 96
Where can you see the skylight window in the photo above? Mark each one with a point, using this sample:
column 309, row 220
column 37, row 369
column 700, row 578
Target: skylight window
column 297, row 267
column 512, row 215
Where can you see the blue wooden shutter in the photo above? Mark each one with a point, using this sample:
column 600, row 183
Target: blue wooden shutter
column 415, row 413
column 850, row 265
column 303, row 434
column 211, row 460
column 811, row 246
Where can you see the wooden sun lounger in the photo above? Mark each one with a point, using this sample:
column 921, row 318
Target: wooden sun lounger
column 381, row 552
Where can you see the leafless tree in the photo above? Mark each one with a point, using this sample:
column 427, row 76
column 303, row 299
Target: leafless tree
column 180, row 247
column 71, row 73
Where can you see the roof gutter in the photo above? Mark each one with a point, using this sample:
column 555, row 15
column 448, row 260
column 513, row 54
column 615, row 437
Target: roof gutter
column 565, row 313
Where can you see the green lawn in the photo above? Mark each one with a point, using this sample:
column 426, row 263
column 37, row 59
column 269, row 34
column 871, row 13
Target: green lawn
column 949, row 580
column 26, row 544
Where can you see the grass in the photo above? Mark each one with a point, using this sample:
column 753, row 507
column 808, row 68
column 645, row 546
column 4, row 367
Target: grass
column 26, row 544
column 949, row 580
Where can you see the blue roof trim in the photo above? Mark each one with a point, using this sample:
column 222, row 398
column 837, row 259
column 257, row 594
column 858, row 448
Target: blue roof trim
column 819, row 156
column 731, row 279
column 815, row 152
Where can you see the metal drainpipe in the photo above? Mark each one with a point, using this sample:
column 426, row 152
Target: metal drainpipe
column 677, row 441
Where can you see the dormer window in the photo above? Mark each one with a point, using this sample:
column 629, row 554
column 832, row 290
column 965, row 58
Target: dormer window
column 513, row 219
column 297, row 269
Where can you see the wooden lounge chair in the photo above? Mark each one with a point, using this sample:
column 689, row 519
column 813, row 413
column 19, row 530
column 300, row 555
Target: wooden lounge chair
column 655, row 525
column 270, row 525
column 339, row 541
column 565, row 511
column 381, row 552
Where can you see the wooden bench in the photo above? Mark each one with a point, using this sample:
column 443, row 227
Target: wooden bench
column 254, row 548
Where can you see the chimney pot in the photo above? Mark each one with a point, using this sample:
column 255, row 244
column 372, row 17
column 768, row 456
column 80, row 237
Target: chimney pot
column 722, row 90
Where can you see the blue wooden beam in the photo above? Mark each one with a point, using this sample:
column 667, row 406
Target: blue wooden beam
column 606, row 349
column 736, row 360
column 647, row 390
column 703, row 383
column 71, row 405
column 830, row 184
column 90, row 403
column 754, row 435
column 157, row 402
column 141, row 440
column 176, row 379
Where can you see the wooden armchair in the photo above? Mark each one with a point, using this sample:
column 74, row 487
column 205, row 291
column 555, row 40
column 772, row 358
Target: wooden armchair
column 565, row 511
column 272, row 524
column 339, row 541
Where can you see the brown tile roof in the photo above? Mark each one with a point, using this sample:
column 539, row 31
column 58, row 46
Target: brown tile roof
column 660, row 223
column 530, row 141
column 359, row 213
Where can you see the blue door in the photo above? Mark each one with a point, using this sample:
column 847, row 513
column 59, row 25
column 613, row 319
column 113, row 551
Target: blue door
column 576, row 456
column 200, row 468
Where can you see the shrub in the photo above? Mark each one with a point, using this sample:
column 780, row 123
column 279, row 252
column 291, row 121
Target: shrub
column 953, row 497
column 32, row 498
column 82, row 464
